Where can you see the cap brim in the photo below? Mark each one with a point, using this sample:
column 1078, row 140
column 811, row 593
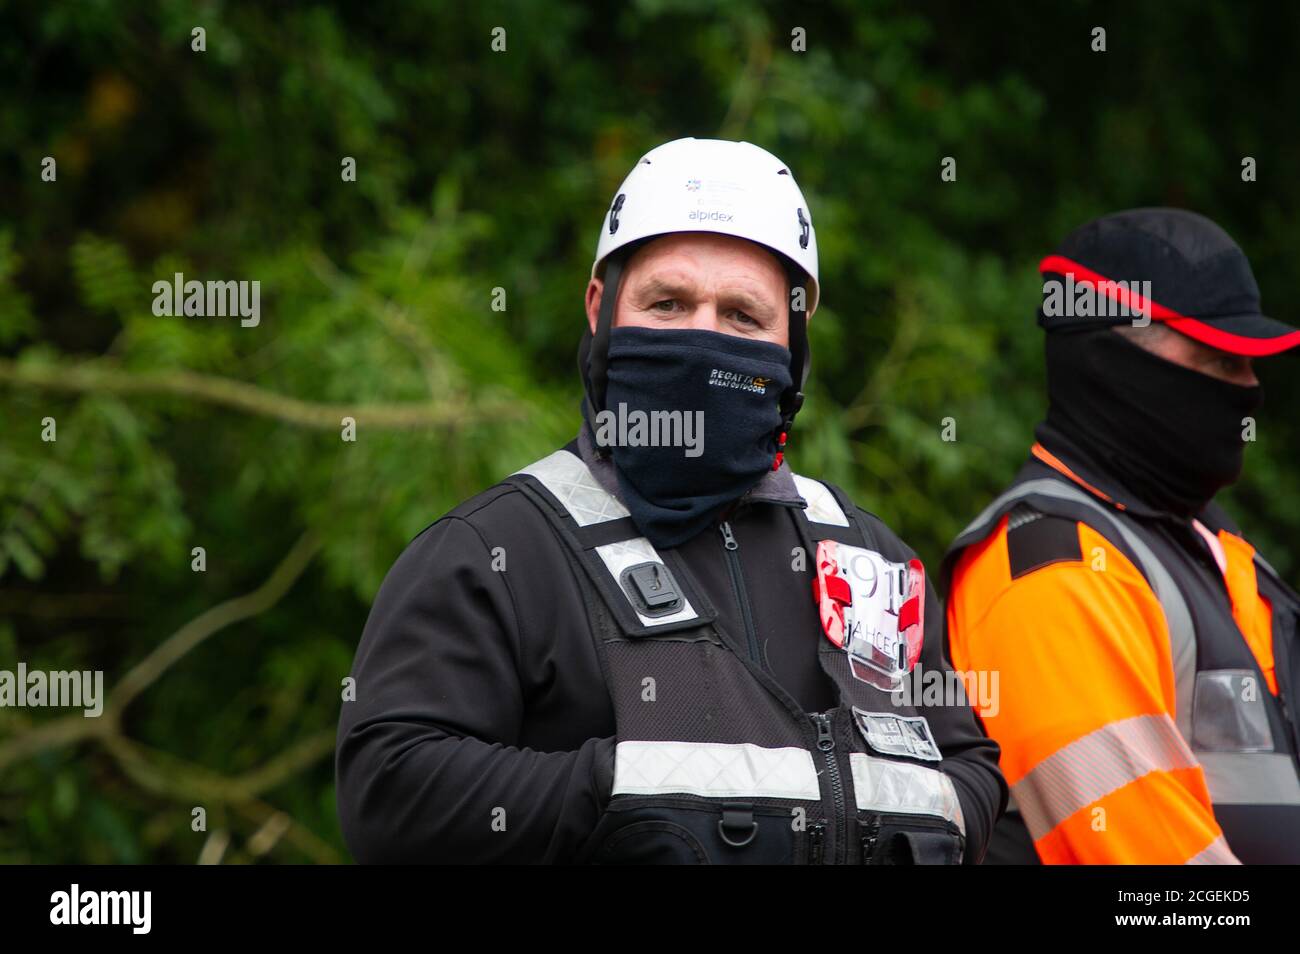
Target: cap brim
column 1255, row 336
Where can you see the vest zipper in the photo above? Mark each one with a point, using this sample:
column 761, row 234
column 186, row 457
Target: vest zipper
column 738, row 585
column 826, row 744
column 870, row 835
column 822, row 721
column 817, row 841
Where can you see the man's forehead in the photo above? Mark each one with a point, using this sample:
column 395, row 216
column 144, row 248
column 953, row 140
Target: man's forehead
column 689, row 244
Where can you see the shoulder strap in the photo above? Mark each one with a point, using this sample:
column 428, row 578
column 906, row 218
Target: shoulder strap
column 1061, row 498
column 822, row 504
column 829, row 514
column 646, row 592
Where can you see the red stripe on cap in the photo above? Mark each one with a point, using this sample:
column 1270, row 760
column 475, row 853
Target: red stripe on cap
column 1192, row 327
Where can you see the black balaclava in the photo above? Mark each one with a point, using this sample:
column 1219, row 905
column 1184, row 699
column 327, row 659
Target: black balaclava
column 749, row 391
column 721, row 390
column 1172, row 436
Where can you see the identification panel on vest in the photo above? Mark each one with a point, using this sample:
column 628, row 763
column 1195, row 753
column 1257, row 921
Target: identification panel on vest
column 872, row 609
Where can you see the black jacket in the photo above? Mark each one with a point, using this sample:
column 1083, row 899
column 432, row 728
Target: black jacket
column 482, row 730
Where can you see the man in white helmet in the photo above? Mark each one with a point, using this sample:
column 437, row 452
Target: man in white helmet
column 692, row 654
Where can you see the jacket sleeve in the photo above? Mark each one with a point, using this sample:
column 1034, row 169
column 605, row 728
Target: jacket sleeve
column 970, row 758
column 427, row 765
column 1084, row 707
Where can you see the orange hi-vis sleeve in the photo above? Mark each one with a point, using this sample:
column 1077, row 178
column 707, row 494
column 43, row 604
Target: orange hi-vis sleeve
column 1084, row 710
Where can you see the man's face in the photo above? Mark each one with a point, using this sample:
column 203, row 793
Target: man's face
column 703, row 281
column 1164, row 342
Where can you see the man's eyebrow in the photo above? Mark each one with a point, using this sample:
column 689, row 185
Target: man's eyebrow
column 665, row 287
column 747, row 302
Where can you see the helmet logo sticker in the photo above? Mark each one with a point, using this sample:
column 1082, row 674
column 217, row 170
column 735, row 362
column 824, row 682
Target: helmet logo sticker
column 715, row 199
column 804, row 227
column 613, row 212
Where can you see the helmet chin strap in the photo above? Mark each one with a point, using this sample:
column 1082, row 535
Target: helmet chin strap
column 800, row 361
column 593, row 351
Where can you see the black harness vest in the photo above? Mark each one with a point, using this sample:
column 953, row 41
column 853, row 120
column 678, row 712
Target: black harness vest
column 715, row 762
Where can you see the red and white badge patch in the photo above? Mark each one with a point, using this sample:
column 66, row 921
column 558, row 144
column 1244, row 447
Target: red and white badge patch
column 872, row 609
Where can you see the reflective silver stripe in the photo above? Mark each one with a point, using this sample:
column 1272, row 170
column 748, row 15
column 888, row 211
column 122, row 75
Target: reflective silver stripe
column 1216, row 852
column 568, row 479
column 1250, row 778
column 1091, row 767
column 881, row 785
column 566, row 476
column 619, row 556
column 1178, row 619
column 714, row 770
column 822, row 505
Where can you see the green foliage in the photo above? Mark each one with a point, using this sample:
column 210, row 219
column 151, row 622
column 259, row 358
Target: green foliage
column 478, row 171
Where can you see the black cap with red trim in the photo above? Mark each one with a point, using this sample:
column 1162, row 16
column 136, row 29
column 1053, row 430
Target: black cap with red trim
column 1167, row 264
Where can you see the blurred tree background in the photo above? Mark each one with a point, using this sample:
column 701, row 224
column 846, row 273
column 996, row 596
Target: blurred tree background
column 477, row 170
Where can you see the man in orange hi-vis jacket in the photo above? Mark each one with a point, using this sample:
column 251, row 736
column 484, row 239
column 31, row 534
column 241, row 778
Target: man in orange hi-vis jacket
column 1148, row 657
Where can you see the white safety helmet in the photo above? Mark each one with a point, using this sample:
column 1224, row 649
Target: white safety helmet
column 713, row 185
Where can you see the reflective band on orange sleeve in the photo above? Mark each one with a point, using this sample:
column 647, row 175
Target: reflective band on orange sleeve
column 1091, row 767
column 1152, row 821
column 1216, row 852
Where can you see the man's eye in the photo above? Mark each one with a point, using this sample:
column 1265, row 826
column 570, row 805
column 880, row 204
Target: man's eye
column 743, row 318
column 668, row 304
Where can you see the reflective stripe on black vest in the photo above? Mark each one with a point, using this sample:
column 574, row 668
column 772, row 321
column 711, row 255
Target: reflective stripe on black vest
column 1215, row 725
column 704, row 733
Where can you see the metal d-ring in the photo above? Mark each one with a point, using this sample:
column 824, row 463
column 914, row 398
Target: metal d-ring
column 722, row 832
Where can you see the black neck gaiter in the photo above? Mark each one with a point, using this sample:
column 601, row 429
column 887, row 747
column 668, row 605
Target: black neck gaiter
column 691, row 421
column 1170, row 435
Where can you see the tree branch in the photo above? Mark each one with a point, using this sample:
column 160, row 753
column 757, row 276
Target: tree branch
column 212, row 620
column 395, row 318
column 69, row 729
column 164, row 774
column 238, row 395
